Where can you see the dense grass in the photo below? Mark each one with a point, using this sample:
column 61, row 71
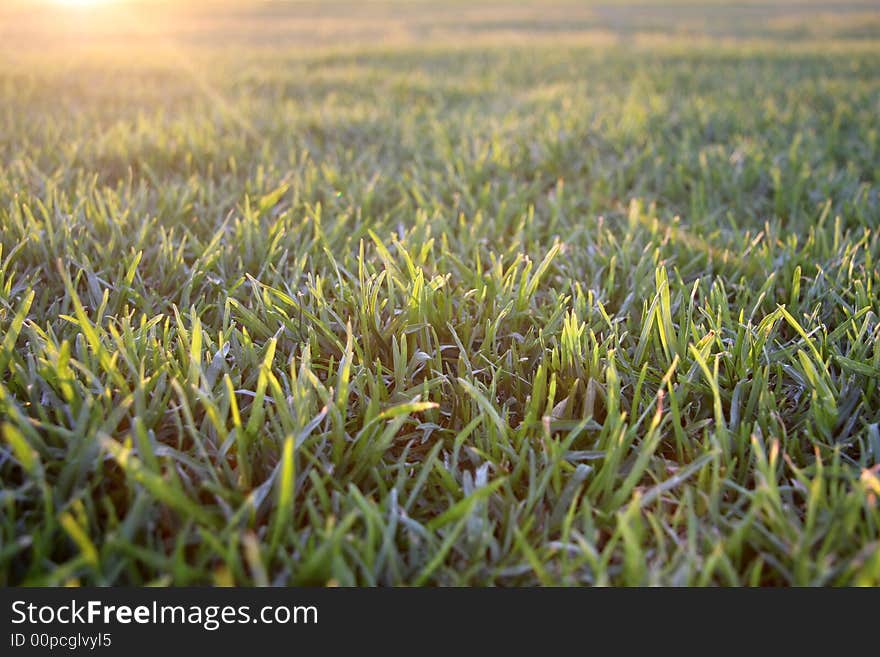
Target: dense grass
column 526, row 300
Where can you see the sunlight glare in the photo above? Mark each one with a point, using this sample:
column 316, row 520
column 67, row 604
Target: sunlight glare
column 83, row 3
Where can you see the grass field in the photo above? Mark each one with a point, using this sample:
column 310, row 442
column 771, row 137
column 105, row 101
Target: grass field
column 436, row 294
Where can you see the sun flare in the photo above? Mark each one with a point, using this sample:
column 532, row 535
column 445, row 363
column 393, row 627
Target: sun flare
column 83, row 3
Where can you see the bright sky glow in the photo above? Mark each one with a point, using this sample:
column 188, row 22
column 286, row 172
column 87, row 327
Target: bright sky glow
column 83, row 3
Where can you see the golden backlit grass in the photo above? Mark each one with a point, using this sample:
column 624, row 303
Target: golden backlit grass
column 398, row 293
